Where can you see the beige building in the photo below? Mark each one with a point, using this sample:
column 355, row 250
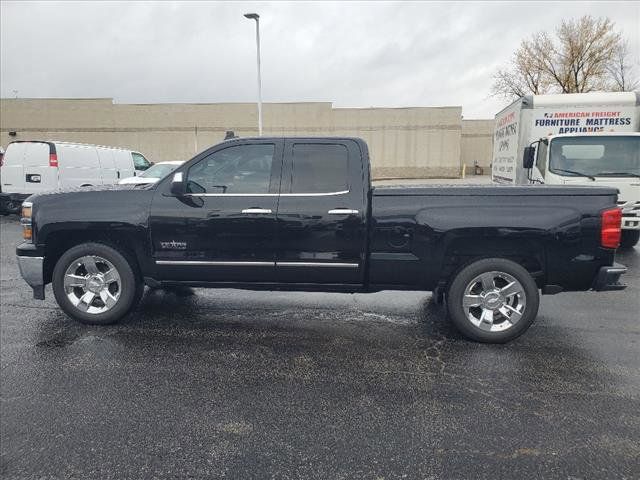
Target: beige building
column 416, row 142
column 477, row 145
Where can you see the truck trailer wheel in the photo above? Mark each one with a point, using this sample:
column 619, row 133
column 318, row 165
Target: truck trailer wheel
column 95, row 284
column 493, row 300
column 629, row 238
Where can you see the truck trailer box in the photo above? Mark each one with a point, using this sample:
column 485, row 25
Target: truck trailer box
column 533, row 117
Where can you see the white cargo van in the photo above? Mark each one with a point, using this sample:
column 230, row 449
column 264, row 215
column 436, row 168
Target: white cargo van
column 34, row 166
column 577, row 139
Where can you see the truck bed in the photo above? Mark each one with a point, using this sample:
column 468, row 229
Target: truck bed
column 418, row 230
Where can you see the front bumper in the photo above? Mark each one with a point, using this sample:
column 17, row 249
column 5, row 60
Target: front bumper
column 608, row 278
column 630, row 214
column 630, row 223
column 31, row 266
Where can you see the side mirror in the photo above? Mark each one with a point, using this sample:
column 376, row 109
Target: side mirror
column 178, row 186
column 529, row 157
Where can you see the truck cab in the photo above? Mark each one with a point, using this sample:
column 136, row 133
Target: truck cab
column 609, row 159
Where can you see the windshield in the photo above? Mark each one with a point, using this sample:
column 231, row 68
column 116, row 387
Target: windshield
column 159, row 170
column 595, row 156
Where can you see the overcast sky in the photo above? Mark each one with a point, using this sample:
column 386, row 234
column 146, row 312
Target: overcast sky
column 354, row 54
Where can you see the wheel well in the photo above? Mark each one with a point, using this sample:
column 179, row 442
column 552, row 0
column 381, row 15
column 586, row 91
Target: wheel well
column 59, row 242
column 463, row 252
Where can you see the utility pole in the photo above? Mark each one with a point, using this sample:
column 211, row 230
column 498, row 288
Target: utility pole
column 256, row 17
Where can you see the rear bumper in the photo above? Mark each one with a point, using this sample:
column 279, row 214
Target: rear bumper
column 31, row 267
column 608, row 278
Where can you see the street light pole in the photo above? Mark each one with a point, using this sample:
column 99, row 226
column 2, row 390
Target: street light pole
column 256, row 17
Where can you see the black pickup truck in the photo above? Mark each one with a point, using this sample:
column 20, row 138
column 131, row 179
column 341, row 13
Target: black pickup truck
column 300, row 214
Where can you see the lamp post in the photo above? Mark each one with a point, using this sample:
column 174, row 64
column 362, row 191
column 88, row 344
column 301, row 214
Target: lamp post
column 256, row 17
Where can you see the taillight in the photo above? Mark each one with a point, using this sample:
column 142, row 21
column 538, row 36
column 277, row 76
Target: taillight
column 53, row 160
column 611, row 228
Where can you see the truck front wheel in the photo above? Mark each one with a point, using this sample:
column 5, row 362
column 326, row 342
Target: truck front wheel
column 629, row 238
column 95, row 284
column 493, row 300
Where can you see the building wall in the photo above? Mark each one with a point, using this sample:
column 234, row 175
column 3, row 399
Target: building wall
column 477, row 144
column 418, row 142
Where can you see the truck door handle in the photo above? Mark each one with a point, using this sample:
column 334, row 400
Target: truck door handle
column 343, row 211
column 256, row 210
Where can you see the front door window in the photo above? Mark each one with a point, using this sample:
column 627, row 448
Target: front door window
column 241, row 169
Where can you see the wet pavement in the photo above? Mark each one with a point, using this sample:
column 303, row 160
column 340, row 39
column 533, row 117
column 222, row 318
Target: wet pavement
column 241, row 384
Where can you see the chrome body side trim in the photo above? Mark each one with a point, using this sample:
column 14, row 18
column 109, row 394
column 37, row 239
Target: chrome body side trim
column 231, row 194
column 262, row 211
column 256, row 264
column 327, row 194
column 343, row 211
column 265, row 194
column 215, row 263
column 318, row 264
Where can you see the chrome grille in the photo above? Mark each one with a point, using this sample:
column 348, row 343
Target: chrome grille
column 629, row 209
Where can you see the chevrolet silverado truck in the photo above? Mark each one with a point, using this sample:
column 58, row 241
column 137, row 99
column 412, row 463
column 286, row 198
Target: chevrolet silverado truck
column 301, row 214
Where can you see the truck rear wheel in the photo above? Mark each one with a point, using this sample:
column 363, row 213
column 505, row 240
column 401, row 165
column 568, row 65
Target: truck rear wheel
column 493, row 300
column 95, row 284
column 629, row 238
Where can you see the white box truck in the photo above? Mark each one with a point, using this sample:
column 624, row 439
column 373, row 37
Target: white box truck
column 576, row 139
column 32, row 166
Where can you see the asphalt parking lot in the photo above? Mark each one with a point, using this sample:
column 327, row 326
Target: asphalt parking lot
column 245, row 385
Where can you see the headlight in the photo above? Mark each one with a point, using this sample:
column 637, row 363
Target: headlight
column 27, row 230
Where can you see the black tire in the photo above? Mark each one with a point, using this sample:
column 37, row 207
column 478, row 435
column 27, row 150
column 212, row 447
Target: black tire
column 12, row 207
column 464, row 279
column 130, row 287
column 629, row 238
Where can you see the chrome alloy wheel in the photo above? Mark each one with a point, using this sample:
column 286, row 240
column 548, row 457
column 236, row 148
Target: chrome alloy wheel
column 92, row 284
column 494, row 301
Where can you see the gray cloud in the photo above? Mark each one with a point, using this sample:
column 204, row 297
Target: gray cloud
column 356, row 54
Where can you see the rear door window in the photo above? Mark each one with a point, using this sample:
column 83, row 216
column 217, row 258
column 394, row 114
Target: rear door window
column 319, row 168
column 36, row 154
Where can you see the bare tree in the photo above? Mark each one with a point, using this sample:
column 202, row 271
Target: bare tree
column 621, row 72
column 521, row 77
column 584, row 55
